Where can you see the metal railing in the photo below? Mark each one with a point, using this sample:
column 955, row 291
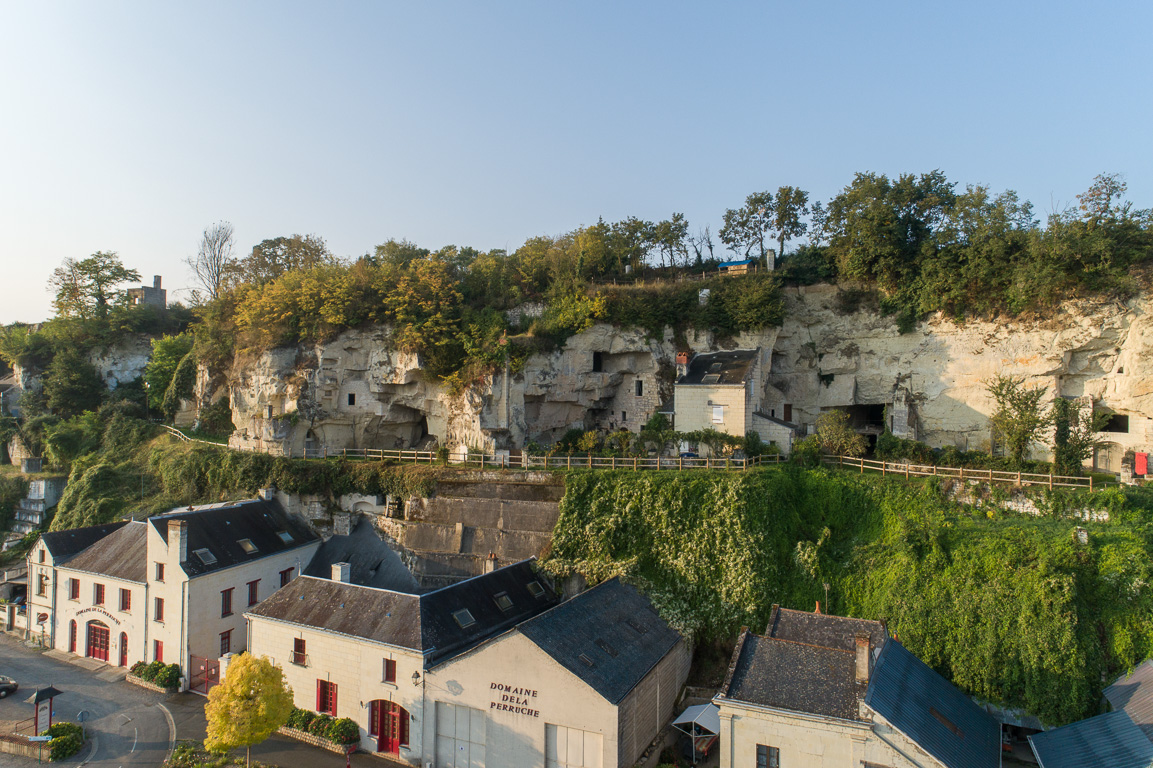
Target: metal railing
column 964, row 473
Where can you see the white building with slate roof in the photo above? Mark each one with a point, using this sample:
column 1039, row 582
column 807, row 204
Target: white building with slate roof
column 172, row 588
column 820, row 691
column 492, row 671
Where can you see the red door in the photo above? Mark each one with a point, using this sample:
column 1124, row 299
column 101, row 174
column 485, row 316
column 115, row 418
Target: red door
column 97, row 641
column 123, row 649
column 72, row 637
column 390, row 723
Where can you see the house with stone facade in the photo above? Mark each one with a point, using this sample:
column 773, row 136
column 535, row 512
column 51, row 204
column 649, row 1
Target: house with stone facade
column 494, row 670
column 171, row 588
column 819, row 691
column 727, row 391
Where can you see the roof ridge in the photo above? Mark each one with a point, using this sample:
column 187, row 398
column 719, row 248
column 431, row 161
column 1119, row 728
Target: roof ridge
column 809, row 645
column 831, row 615
column 357, row 586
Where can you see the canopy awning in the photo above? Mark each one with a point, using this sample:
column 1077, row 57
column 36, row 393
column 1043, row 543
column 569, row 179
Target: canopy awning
column 704, row 716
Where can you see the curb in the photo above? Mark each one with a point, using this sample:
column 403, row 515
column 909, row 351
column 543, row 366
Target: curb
column 91, row 752
column 171, row 731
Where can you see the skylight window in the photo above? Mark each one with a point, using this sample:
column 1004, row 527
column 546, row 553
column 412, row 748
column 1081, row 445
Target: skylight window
column 464, row 618
column 637, row 627
column 503, row 601
column 587, row 661
column 604, row 646
column 285, row 536
column 205, row 556
column 535, row 589
column 247, row 545
column 947, row 723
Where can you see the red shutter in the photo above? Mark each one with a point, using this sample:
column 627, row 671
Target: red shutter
column 319, row 695
column 332, row 699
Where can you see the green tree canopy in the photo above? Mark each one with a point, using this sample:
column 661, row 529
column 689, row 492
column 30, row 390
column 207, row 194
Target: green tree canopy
column 87, row 287
column 167, row 352
column 1021, row 417
column 249, row 704
column 72, row 385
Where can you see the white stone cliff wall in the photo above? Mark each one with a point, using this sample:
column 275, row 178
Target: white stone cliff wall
column 356, row 391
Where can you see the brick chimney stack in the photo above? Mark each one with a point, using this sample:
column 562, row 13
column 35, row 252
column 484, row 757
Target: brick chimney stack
column 862, row 657
column 818, row 608
column 178, row 540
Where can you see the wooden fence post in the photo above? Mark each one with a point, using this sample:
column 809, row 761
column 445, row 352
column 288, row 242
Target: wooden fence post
column 1090, row 483
column 1050, row 481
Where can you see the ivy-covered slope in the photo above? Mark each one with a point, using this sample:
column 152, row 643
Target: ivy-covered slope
column 1011, row 609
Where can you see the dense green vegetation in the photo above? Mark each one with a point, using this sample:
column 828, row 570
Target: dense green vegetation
column 1010, row 608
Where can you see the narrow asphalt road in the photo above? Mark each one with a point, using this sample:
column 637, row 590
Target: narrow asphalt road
column 127, row 725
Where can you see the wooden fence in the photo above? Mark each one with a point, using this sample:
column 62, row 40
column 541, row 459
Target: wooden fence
column 963, row 473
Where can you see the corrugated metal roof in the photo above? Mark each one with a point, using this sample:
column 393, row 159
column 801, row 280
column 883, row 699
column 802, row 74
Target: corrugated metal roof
column 122, row 554
column 931, row 711
column 609, row 637
column 1134, row 694
column 1105, row 740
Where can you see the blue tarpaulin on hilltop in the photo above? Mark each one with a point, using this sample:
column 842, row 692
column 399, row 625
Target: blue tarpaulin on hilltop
column 741, row 263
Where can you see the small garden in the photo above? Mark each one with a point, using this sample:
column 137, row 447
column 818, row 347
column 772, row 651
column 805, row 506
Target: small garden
column 158, row 673
column 341, row 730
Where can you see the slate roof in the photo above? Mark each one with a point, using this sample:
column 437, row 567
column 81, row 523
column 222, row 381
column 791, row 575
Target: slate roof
column 931, row 711
column 65, row 544
column 424, row 623
column 824, row 630
column 122, row 554
column 1134, row 694
column 728, row 367
column 1110, row 740
column 786, row 674
column 219, row 528
column 612, row 625
column 380, row 615
column 372, row 562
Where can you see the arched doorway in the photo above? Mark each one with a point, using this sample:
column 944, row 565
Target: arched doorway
column 72, row 636
column 123, row 649
column 97, row 647
column 388, row 724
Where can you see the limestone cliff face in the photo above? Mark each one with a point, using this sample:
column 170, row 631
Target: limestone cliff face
column 357, row 391
column 118, row 364
column 1095, row 349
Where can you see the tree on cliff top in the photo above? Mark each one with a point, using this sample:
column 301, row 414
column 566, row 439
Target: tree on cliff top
column 86, row 288
column 249, row 704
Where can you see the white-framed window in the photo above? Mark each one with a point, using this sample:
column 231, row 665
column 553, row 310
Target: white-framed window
column 718, row 413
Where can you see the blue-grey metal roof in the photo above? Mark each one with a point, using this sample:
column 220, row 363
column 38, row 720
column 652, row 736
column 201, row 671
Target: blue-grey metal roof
column 1107, row 740
column 931, row 711
column 1134, row 694
column 609, row 636
column 737, row 263
column 371, row 562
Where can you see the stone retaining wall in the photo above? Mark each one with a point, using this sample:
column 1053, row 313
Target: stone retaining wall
column 316, row 741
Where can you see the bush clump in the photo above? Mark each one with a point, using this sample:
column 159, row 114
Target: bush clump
column 300, row 719
column 67, row 740
column 157, row 673
column 319, row 725
column 343, row 731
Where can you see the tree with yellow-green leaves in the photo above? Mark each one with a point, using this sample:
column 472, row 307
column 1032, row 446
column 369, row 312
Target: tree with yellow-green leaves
column 249, row 704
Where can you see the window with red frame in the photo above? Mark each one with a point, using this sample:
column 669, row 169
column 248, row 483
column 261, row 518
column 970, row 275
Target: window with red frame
column 390, row 670
column 285, row 576
column 157, row 650
column 158, row 610
column 225, row 642
column 326, row 697
column 226, row 602
column 98, row 594
column 298, row 656
column 252, row 591
column 74, row 589
column 125, row 600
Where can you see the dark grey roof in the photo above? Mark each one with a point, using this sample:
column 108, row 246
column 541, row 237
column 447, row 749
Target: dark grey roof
column 785, row 674
column 775, row 420
column 932, row 712
column 65, row 544
column 612, row 625
column 727, row 367
column 424, row 623
column 1106, row 740
column 122, row 554
column 824, row 630
column 373, row 614
column 1134, row 694
column 443, row 635
column 372, row 563
column 219, row 528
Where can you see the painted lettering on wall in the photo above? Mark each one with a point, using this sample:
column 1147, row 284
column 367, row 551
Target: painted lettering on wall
column 509, row 698
column 101, row 611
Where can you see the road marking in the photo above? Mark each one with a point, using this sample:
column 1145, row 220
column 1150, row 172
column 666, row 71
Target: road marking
column 135, row 736
column 171, row 730
column 91, row 753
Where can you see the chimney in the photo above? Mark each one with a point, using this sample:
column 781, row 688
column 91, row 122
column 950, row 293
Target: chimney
column 682, row 363
column 267, row 494
column 156, row 281
column 178, row 540
column 490, row 563
column 818, row 608
column 341, row 572
column 862, row 657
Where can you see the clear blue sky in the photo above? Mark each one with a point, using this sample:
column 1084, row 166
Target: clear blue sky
column 131, row 126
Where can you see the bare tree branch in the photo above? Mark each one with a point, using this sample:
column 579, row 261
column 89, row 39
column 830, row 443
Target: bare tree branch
column 212, row 258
